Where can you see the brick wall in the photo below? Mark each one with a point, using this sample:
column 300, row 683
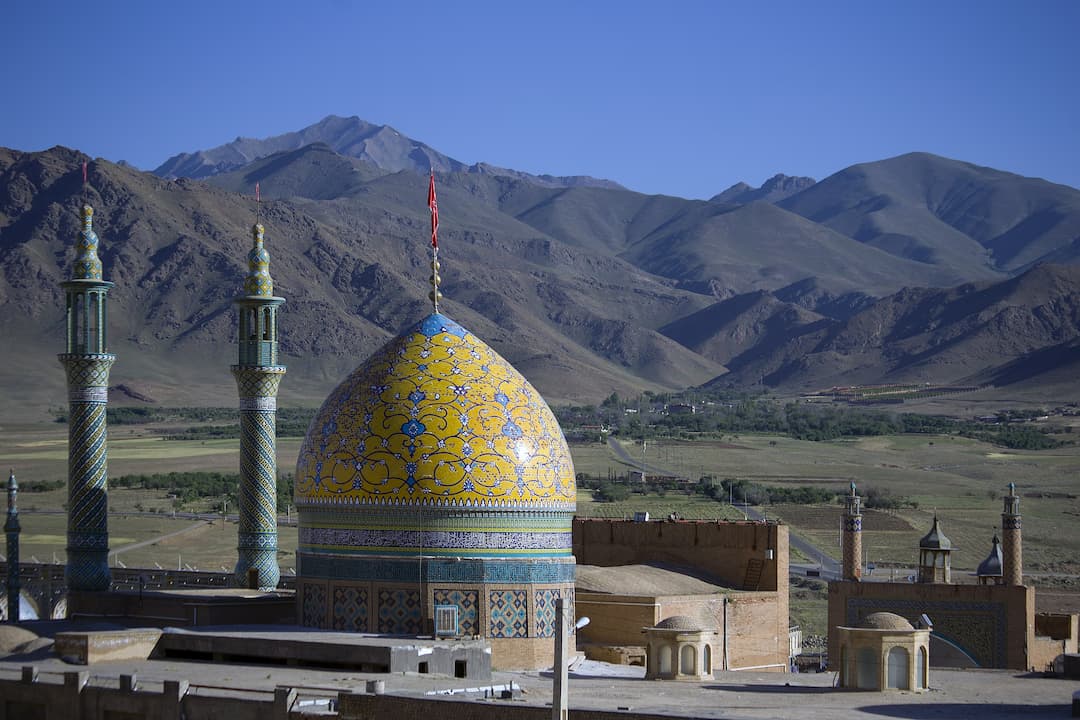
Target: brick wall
column 722, row 551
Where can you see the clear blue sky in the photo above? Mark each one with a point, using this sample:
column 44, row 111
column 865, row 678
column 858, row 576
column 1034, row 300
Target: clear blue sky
column 683, row 98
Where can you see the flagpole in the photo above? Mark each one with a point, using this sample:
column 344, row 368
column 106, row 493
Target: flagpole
column 433, row 206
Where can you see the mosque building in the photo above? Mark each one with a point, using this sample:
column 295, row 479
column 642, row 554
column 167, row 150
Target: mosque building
column 435, row 497
column 435, row 491
column 436, row 494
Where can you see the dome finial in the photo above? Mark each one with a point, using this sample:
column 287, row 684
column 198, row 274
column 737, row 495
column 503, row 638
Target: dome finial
column 87, row 264
column 258, row 281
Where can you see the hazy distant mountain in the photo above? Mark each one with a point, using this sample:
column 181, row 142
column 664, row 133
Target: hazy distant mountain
column 944, row 212
column 772, row 190
column 587, row 289
column 381, row 146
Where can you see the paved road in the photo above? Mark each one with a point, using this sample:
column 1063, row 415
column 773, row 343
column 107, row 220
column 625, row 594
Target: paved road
column 828, row 568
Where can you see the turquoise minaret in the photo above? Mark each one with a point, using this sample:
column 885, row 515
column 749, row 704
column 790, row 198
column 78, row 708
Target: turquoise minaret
column 258, row 375
column 12, row 529
column 87, row 362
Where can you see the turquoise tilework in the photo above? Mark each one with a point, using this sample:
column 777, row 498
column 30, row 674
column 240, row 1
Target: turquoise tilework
column 350, row 609
column 467, row 602
column 509, row 613
column 399, row 612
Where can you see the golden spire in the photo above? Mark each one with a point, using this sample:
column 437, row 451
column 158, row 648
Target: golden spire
column 258, row 281
column 87, row 264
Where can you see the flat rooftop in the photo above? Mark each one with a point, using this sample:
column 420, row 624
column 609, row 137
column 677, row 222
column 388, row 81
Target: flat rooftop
column 987, row 694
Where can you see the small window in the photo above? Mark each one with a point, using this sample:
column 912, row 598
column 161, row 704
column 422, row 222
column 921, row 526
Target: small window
column 460, row 669
column 422, row 668
column 446, row 620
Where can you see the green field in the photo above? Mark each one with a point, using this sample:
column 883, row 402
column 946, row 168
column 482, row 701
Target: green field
column 959, row 479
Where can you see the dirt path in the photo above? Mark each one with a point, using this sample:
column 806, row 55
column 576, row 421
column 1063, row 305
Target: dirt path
column 155, row 540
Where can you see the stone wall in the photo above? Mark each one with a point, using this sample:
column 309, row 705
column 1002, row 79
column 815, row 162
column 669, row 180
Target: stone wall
column 994, row 625
column 729, row 552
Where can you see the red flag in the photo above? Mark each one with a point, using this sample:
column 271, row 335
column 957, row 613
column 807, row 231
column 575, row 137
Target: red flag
column 433, row 205
column 256, row 192
column 84, row 172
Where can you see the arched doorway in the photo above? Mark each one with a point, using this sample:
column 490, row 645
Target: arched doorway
column 896, row 675
column 920, row 668
column 687, row 660
column 665, row 659
column 707, row 668
column 866, row 669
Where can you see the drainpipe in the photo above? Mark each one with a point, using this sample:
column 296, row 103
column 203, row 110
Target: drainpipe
column 727, row 661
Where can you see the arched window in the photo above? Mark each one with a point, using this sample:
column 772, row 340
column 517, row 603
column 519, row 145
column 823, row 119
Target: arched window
column 706, row 667
column 665, row 659
column 898, row 669
column 866, row 669
column 92, row 327
column 688, row 660
column 79, row 326
column 266, row 324
column 920, row 669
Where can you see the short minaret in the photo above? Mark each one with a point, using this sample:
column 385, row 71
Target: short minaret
column 1012, row 555
column 852, row 536
column 989, row 570
column 87, row 362
column 12, row 529
column 935, row 556
column 258, row 375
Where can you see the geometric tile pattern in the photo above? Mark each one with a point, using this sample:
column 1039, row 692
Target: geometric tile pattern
column 467, row 604
column 399, row 612
column 258, row 381
column 509, row 613
column 313, row 612
column 379, row 541
column 436, row 570
column 257, row 537
column 88, row 530
column 350, row 609
column 436, row 418
column 545, row 611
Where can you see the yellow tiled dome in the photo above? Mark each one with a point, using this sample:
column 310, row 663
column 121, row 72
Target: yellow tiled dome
column 436, row 418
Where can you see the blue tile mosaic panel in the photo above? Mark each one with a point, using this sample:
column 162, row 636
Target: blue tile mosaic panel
column 399, row 612
column 313, row 613
column 350, row 609
column 509, row 613
column 545, row 611
column 467, row 602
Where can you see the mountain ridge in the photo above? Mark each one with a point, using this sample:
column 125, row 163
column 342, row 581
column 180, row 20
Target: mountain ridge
column 586, row 289
column 379, row 145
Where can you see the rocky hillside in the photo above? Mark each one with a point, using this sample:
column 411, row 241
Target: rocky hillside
column 912, row 268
